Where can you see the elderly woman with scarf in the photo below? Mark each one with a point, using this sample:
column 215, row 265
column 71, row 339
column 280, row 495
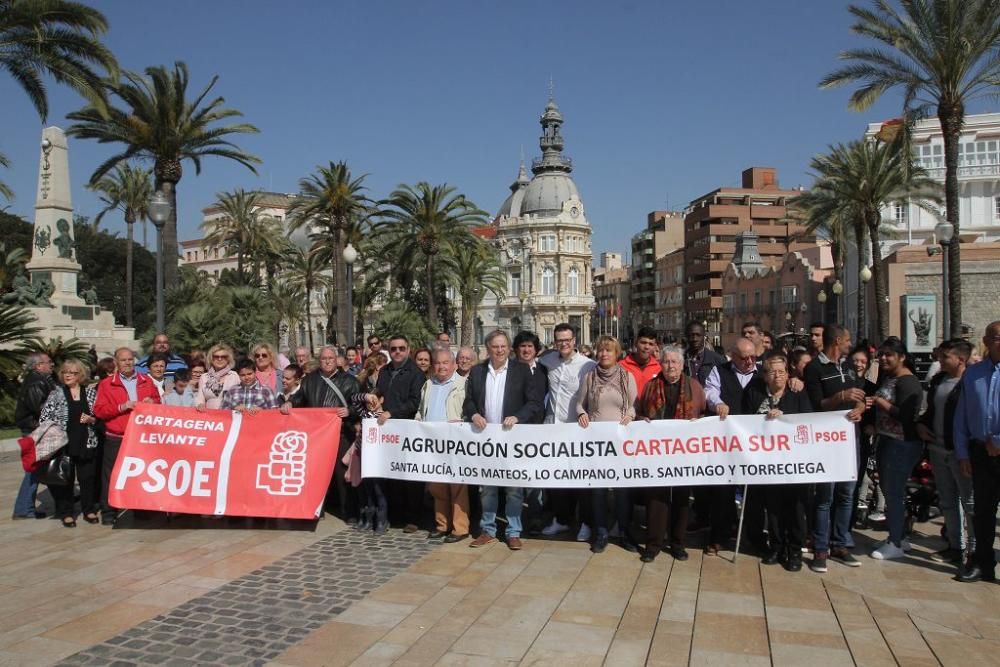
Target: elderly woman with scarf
column 607, row 394
column 669, row 395
column 217, row 380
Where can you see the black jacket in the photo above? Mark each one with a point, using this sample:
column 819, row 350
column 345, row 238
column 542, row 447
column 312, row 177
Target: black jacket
column 791, row 403
column 314, row 392
column 34, row 390
column 709, row 360
column 732, row 391
column 401, row 388
column 522, row 396
column 927, row 419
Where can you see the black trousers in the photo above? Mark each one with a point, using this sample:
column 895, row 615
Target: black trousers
column 112, row 443
column 373, row 502
column 344, row 495
column 666, row 509
column 786, row 515
column 599, row 510
column 721, row 513
column 754, row 504
column 986, row 492
column 564, row 505
column 85, row 472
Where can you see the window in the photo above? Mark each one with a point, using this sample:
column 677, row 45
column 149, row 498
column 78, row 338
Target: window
column 573, row 282
column 515, row 283
column 548, row 281
column 727, row 303
column 547, row 243
column 772, row 297
column 743, row 301
column 996, row 207
column 756, row 298
column 899, row 213
column 790, row 294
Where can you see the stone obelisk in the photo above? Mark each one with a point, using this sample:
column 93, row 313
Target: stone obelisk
column 53, row 249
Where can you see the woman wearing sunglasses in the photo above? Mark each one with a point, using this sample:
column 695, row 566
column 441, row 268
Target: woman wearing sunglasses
column 219, row 378
column 267, row 370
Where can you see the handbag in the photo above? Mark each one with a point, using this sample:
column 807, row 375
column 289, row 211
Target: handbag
column 57, row 471
column 49, row 438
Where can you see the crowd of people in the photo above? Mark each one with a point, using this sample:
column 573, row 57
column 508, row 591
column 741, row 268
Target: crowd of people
column 955, row 423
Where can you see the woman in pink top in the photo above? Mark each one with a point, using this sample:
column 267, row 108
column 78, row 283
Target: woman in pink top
column 219, row 378
column 267, row 370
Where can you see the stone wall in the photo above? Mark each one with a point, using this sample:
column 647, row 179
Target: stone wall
column 980, row 292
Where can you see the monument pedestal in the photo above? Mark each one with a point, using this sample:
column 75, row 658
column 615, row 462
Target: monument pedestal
column 89, row 324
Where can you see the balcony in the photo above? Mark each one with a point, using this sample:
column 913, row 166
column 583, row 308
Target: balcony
column 971, row 171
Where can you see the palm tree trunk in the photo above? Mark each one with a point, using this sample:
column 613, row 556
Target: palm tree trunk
column 467, row 310
column 128, row 272
column 170, row 275
column 859, row 241
column 951, row 117
column 432, row 314
column 309, row 322
column 878, row 275
column 341, row 302
column 239, row 266
column 145, row 234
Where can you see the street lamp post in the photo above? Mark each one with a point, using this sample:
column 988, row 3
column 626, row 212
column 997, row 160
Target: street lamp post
column 865, row 275
column 159, row 213
column 821, row 297
column 838, row 290
column 350, row 256
column 945, row 233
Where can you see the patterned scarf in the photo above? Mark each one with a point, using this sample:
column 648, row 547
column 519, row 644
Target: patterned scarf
column 653, row 403
column 214, row 379
column 603, row 378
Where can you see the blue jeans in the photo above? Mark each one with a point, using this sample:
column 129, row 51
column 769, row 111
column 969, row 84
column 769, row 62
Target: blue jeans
column 25, row 503
column 896, row 460
column 489, row 499
column 955, row 497
column 834, row 505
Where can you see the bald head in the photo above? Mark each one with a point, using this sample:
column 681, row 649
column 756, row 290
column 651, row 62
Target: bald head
column 744, row 355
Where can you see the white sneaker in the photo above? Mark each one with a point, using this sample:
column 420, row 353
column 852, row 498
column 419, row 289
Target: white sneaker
column 584, row 534
column 876, row 516
column 888, row 551
column 554, row 528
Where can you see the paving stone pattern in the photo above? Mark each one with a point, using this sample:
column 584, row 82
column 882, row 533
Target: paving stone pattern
column 253, row 619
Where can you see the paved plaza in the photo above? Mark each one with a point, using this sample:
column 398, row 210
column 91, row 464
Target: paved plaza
column 203, row 591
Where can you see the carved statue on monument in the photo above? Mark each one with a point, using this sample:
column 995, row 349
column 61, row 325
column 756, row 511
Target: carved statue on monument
column 65, row 239
column 42, row 240
column 25, row 293
column 89, row 296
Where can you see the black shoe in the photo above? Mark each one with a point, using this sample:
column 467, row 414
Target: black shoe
column 451, row 539
column 948, row 555
column 794, row 562
column 679, row 553
column 410, row 528
column 599, row 544
column 436, row 535
column 628, row 545
column 975, row 573
column 771, row 558
column 648, row 556
column 69, row 522
column 381, row 528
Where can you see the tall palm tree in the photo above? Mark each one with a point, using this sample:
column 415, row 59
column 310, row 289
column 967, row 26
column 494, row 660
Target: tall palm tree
column 11, row 263
column 860, row 178
column 17, row 333
column 304, row 271
column 160, row 124
column 423, row 222
column 287, row 301
column 943, row 54
column 477, row 270
column 5, row 190
column 233, row 231
column 55, row 38
column 333, row 207
column 128, row 189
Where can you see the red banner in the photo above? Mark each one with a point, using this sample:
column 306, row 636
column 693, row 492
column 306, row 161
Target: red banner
column 226, row 463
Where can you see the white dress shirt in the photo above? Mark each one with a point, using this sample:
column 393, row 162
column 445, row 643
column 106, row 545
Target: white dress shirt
column 565, row 377
column 496, row 383
column 713, row 385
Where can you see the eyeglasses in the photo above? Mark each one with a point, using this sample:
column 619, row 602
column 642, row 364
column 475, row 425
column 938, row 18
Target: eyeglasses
column 374, row 343
column 220, row 356
column 398, row 348
column 261, row 355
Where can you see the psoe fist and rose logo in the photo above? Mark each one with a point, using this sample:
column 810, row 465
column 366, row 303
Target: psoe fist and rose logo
column 285, row 472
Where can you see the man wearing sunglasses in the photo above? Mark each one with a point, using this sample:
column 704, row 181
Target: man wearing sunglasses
column 401, row 382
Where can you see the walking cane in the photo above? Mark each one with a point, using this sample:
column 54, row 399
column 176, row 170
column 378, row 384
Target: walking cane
column 739, row 527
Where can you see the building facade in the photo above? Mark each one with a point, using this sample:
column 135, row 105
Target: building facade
column 711, row 224
column 671, row 317
column 978, row 179
column 664, row 233
column 543, row 236
column 612, row 287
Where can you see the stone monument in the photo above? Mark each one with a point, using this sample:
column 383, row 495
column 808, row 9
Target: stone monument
column 51, row 296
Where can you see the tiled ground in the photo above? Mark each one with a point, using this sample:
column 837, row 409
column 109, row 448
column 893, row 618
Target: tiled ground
column 208, row 593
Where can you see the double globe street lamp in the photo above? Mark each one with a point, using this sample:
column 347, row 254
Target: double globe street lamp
column 350, row 256
column 159, row 213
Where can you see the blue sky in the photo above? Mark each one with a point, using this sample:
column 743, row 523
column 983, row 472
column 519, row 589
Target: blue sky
column 663, row 101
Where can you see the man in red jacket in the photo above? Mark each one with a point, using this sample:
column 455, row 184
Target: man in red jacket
column 642, row 363
column 117, row 395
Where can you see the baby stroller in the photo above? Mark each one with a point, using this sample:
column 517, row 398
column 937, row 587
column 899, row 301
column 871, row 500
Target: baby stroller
column 921, row 494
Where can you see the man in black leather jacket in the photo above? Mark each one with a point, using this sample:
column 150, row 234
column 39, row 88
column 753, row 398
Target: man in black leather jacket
column 37, row 385
column 320, row 390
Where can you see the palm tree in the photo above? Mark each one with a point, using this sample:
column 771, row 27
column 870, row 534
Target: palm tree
column 943, row 54
column 128, row 190
column 420, row 223
column 286, row 300
column 240, row 214
column 11, row 263
column 158, row 123
column 5, row 190
column 477, row 270
column 304, row 272
column 17, row 332
column 333, row 207
column 856, row 180
column 56, row 38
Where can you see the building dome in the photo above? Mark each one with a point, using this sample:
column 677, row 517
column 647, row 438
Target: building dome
column 547, row 192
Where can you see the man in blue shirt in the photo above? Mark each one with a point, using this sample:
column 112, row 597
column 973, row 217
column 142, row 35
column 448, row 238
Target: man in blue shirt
column 161, row 344
column 977, row 448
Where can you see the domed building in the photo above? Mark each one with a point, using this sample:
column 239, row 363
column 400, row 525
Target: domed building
column 542, row 233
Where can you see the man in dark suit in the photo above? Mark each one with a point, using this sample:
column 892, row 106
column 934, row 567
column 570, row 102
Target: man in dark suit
column 503, row 391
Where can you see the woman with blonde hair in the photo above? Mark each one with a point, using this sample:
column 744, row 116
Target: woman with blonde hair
column 267, row 368
column 71, row 406
column 369, row 373
column 217, row 380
